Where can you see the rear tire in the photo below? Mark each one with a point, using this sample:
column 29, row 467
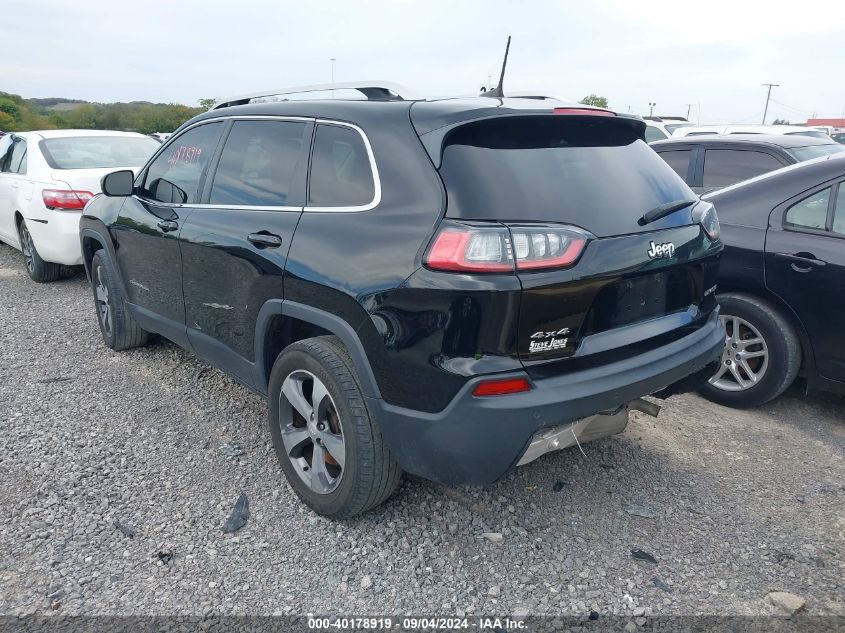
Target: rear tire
column 39, row 270
column 752, row 373
column 120, row 331
column 329, row 447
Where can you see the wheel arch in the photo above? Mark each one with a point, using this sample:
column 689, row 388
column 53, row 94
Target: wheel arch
column 91, row 241
column 282, row 322
column 783, row 308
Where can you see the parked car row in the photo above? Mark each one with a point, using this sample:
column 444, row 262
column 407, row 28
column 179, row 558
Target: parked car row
column 450, row 287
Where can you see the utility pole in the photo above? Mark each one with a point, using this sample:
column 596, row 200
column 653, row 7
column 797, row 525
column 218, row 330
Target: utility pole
column 768, row 96
column 332, row 60
column 651, row 105
column 689, row 106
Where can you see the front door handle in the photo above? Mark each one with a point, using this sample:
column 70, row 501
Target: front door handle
column 801, row 262
column 265, row 240
column 168, row 225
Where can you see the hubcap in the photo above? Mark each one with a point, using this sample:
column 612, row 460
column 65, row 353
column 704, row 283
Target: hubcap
column 745, row 358
column 27, row 248
column 311, row 431
column 103, row 306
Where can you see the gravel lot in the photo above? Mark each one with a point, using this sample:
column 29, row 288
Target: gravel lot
column 744, row 502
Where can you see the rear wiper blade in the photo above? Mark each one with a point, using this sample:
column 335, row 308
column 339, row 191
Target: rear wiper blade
column 663, row 210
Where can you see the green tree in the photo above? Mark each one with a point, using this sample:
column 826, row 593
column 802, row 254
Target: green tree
column 206, row 104
column 780, row 122
column 595, row 100
column 11, row 108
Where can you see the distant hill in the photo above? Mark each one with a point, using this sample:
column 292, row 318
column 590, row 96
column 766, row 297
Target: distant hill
column 18, row 114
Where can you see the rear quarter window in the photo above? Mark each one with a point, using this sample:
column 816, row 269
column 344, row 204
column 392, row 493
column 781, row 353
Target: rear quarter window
column 341, row 174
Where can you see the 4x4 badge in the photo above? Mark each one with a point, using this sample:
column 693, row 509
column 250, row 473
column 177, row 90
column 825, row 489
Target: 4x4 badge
column 667, row 249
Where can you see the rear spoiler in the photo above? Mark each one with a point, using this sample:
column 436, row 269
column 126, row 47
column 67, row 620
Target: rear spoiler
column 433, row 140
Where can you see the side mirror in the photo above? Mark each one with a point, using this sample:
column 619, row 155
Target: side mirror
column 118, row 183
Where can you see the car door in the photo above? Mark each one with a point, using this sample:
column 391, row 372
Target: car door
column 723, row 167
column 235, row 244
column 805, row 266
column 146, row 230
column 12, row 171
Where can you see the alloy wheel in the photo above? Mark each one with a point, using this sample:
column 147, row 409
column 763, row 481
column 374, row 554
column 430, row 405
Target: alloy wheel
column 311, row 431
column 745, row 358
column 27, row 248
column 103, row 306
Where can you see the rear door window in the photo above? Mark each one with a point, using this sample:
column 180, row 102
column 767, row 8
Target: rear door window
column 723, row 167
column 809, row 213
column 341, row 174
column 17, row 160
column 174, row 176
column 678, row 160
column 258, row 163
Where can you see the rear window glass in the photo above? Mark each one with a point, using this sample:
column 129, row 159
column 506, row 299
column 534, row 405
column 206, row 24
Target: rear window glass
column 815, row 151
column 258, row 163
column 97, row 152
column 599, row 175
column 340, row 169
column 723, row 167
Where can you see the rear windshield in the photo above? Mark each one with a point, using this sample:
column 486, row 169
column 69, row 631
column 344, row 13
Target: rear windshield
column 597, row 174
column 95, row 152
column 815, row 151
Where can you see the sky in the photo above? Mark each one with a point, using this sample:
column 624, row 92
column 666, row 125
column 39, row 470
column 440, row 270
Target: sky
column 706, row 58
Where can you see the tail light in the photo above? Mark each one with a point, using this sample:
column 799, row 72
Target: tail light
column 499, row 248
column 709, row 221
column 65, row 199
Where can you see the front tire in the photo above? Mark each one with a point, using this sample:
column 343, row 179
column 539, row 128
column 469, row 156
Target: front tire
column 330, row 450
column 39, row 270
column 762, row 353
column 120, row 331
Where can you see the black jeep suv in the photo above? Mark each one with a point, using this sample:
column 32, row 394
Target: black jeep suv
column 448, row 288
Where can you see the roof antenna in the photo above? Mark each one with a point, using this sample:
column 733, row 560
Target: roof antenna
column 497, row 91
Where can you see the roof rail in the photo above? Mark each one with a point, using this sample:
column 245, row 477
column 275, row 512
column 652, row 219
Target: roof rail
column 372, row 90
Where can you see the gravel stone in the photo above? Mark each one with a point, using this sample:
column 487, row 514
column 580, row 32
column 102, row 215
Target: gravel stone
column 787, row 602
column 90, row 437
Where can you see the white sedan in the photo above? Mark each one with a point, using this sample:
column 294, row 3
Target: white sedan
column 46, row 178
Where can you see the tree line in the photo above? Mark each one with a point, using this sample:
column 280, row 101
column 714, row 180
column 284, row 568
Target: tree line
column 20, row 115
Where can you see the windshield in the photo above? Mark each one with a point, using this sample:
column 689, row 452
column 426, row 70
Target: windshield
column 815, row 151
column 95, row 152
column 594, row 172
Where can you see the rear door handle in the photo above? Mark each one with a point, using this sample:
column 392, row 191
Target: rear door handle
column 168, row 225
column 801, row 260
column 265, row 240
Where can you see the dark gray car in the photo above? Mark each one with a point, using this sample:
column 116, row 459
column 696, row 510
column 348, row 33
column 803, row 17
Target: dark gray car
column 712, row 162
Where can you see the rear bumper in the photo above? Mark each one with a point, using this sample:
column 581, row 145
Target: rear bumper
column 57, row 239
column 477, row 440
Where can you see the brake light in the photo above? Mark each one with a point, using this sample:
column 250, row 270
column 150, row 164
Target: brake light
column 710, row 223
column 497, row 248
column 462, row 248
column 588, row 111
column 501, row 387
column 66, row 199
